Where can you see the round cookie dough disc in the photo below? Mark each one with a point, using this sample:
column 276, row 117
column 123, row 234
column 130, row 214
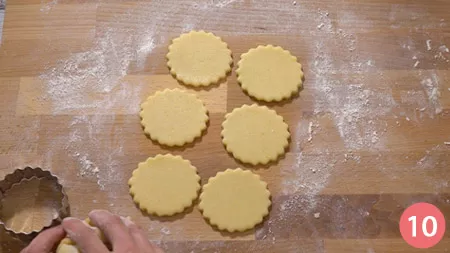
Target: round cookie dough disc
column 199, row 58
column 255, row 134
column 173, row 117
column 164, row 185
column 235, row 200
column 269, row 73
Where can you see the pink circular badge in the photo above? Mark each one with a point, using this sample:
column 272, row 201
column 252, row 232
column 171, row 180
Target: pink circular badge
column 422, row 225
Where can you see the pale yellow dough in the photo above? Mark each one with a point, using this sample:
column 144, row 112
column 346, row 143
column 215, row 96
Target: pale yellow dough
column 173, row 117
column 199, row 58
column 269, row 73
column 255, row 134
column 68, row 246
column 164, row 185
column 235, row 200
column 65, row 247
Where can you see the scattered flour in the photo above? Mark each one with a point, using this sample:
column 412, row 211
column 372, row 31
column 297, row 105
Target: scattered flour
column 443, row 49
column 87, row 166
column 96, row 72
column 325, row 22
column 86, row 131
column 431, row 87
column 428, row 101
column 223, row 3
column 428, row 45
column 355, row 107
column 306, row 179
column 433, row 160
column 165, row 231
column 310, row 131
column 146, row 47
column 417, row 99
column 47, row 7
column 442, row 54
column 350, row 156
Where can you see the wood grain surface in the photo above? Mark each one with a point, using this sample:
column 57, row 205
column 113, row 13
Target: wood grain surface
column 368, row 131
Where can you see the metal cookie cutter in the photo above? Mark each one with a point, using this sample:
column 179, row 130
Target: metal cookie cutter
column 18, row 203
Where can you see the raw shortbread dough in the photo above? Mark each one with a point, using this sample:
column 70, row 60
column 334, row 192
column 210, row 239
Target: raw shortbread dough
column 164, row 185
column 173, row 117
column 235, row 200
column 255, row 134
column 199, row 58
column 68, row 246
column 269, row 73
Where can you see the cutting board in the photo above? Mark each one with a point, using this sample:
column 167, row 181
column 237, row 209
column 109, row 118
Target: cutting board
column 368, row 130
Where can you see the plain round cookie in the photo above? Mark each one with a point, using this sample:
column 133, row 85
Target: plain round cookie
column 164, row 185
column 269, row 73
column 173, row 117
column 235, row 200
column 199, row 58
column 255, row 134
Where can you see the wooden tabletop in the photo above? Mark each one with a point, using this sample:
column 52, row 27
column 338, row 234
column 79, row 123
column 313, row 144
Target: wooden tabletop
column 368, row 131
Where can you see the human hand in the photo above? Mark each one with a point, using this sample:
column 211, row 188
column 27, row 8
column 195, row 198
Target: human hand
column 122, row 234
column 46, row 241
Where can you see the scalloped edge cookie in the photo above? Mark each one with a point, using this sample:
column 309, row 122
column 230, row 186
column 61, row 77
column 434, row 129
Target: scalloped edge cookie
column 255, row 199
column 252, row 84
column 189, row 193
column 181, row 68
column 241, row 142
column 159, row 134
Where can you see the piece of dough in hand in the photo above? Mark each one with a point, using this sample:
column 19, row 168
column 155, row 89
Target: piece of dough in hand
column 68, row 246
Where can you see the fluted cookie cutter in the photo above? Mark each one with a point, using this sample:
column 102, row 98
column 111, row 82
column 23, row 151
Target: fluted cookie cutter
column 26, row 176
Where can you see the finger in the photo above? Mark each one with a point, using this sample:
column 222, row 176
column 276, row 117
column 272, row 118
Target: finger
column 114, row 229
column 46, row 240
column 85, row 237
column 138, row 235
